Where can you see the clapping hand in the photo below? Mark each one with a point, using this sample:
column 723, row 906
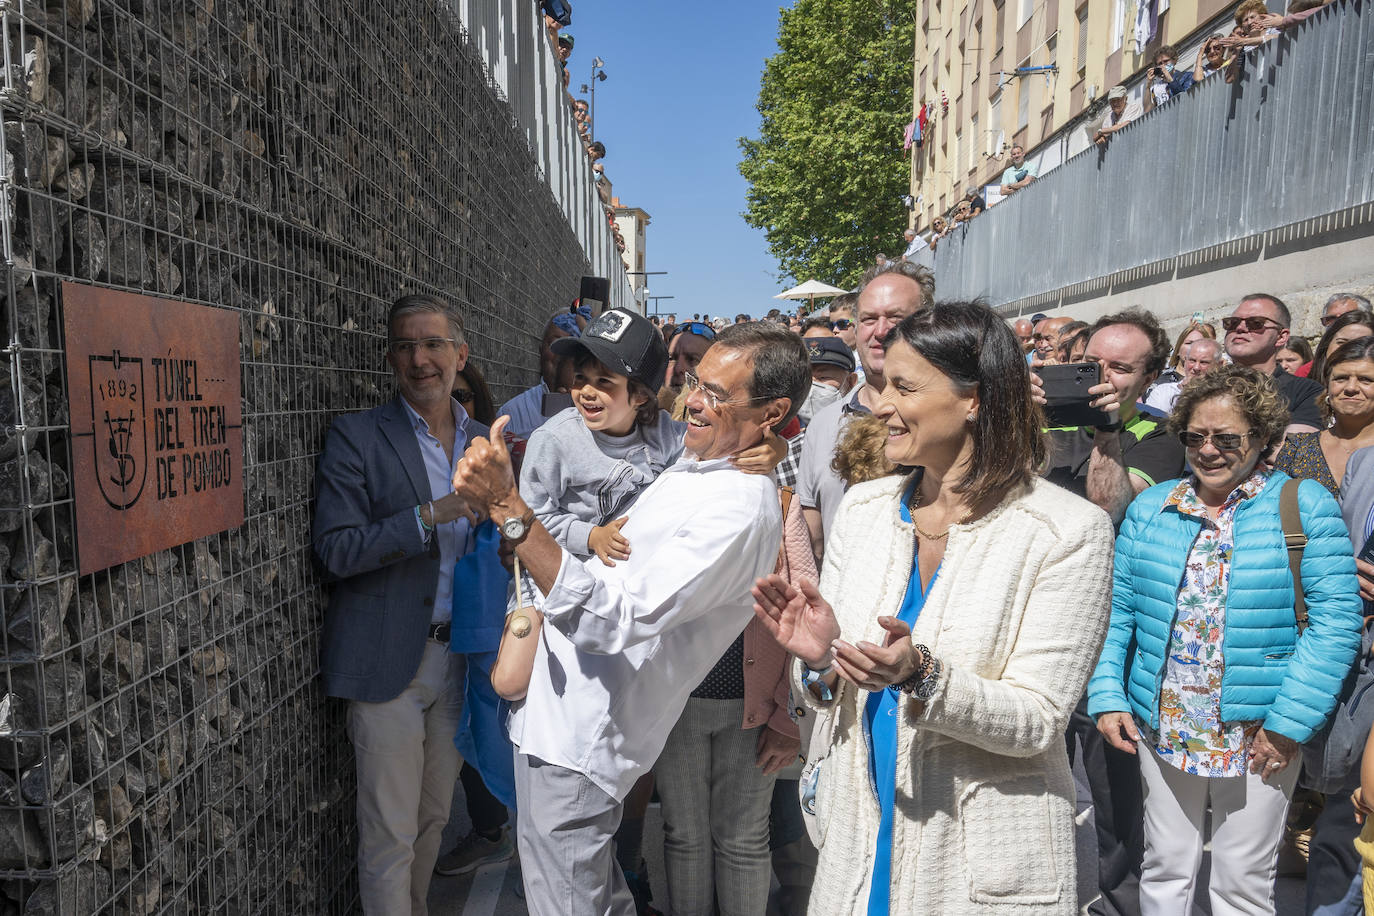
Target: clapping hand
column 874, row 667
column 800, row 620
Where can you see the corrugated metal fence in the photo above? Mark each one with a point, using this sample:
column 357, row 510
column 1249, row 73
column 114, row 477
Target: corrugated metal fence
column 1290, row 139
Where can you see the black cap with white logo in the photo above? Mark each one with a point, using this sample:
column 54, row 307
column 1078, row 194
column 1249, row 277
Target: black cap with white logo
column 622, row 342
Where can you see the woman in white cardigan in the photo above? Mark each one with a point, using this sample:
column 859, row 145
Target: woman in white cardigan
column 964, row 606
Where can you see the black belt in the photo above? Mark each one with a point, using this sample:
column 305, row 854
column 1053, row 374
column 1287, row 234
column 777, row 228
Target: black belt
column 439, row 632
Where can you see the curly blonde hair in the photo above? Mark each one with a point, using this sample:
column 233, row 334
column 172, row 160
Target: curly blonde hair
column 1248, row 7
column 1252, row 392
column 860, row 457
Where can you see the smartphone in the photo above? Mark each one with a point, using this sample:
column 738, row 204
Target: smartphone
column 555, row 402
column 594, row 292
column 1067, row 402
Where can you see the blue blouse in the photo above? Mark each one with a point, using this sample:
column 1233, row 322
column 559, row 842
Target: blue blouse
column 880, row 720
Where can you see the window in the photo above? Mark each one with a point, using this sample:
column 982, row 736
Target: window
column 976, row 145
column 995, row 135
column 958, row 150
column 1083, row 40
column 1001, row 28
column 1024, row 8
column 1118, row 24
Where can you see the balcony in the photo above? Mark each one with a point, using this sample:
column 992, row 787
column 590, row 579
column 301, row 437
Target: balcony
column 1266, row 181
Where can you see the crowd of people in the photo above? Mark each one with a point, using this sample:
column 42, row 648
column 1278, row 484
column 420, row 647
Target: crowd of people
column 848, row 594
column 557, row 16
column 1219, row 54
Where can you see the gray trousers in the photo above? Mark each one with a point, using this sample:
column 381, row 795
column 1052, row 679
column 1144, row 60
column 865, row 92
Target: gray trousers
column 564, row 826
column 407, row 767
column 716, row 803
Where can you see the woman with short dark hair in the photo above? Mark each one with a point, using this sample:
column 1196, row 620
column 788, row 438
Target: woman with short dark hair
column 1350, row 326
column 964, row 603
column 1203, row 676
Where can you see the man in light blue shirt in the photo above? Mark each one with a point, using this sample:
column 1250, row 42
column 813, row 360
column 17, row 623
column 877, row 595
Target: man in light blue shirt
column 1020, row 173
column 387, row 532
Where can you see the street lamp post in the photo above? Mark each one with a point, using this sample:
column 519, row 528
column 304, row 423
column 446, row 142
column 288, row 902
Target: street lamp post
column 598, row 76
column 655, row 299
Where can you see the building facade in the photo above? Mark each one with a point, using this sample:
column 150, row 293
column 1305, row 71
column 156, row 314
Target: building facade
column 633, row 224
column 992, row 73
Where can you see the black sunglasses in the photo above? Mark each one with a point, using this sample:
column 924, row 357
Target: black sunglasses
column 1224, row 442
column 843, row 324
column 1253, row 324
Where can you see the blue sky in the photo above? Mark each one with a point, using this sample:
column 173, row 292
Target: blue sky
column 682, row 80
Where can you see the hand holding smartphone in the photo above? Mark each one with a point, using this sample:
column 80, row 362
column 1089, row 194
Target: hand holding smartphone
column 1068, row 401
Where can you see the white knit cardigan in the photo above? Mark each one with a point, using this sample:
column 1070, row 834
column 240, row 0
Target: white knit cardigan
column 985, row 799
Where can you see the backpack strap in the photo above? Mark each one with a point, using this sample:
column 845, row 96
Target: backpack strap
column 1295, row 539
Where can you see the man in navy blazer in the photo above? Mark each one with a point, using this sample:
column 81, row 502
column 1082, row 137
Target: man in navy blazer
column 388, row 530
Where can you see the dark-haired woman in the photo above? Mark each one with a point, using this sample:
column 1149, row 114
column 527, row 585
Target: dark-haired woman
column 1203, row 675
column 1347, row 404
column 959, row 609
column 470, row 389
column 1348, row 327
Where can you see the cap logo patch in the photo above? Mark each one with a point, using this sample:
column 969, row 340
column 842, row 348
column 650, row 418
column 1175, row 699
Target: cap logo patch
column 610, row 326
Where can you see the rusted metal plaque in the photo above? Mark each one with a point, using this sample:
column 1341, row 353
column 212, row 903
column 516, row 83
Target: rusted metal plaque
column 157, row 422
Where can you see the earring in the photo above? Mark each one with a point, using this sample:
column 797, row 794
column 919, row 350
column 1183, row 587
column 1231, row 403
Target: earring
column 971, row 417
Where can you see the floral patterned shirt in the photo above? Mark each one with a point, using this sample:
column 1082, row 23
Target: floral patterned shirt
column 1191, row 734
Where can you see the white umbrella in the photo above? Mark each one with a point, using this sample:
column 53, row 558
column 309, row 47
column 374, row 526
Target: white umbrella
column 809, row 291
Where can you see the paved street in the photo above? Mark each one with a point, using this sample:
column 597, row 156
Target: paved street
column 492, row 890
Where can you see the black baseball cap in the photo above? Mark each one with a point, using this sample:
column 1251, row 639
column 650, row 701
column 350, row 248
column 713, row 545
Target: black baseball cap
column 829, row 351
column 622, row 342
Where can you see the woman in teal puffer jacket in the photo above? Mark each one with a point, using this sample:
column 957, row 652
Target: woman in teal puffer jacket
column 1203, row 674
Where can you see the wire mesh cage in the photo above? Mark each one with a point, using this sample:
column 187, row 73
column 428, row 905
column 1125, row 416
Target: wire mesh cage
column 163, row 744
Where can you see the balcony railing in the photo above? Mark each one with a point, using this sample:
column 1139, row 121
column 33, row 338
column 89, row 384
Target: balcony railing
column 1291, row 139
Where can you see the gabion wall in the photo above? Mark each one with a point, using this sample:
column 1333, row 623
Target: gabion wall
column 164, row 746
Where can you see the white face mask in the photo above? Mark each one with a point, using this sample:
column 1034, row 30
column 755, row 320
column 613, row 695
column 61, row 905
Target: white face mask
column 821, row 396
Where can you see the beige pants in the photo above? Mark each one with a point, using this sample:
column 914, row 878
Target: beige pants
column 407, row 766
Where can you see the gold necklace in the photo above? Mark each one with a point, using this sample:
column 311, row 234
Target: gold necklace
column 916, row 504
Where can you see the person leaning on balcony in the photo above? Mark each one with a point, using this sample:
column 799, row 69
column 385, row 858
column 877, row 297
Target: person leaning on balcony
column 1203, row 677
column 1211, row 58
column 1020, row 173
column 1166, row 80
column 1120, row 112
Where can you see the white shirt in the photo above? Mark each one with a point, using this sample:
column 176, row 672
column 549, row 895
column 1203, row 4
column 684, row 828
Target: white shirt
column 526, row 411
column 622, row 647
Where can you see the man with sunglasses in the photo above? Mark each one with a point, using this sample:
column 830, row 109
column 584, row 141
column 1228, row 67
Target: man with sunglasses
column 1255, row 333
column 388, row 531
column 686, row 347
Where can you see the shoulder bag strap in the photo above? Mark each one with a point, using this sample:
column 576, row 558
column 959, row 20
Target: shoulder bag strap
column 1295, row 539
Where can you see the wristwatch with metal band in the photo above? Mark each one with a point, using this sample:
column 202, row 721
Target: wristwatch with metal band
column 516, row 529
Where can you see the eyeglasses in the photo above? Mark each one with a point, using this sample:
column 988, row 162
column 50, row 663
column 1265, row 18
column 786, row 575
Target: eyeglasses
column 1224, row 442
column 428, row 344
column 699, row 328
column 843, row 324
column 1254, row 324
column 464, row 395
column 691, row 383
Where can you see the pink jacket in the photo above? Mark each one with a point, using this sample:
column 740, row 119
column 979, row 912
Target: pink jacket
column 766, row 691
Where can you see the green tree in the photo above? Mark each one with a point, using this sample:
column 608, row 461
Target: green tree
column 827, row 172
